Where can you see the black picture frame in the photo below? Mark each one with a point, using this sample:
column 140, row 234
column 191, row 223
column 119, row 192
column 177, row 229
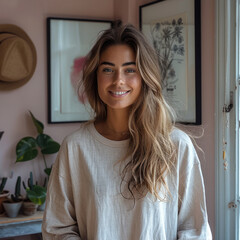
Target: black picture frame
column 180, row 59
column 68, row 42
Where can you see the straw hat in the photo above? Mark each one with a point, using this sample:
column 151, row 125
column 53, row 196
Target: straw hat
column 18, row 57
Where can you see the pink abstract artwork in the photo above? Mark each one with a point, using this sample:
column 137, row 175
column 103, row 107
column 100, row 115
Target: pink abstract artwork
column 76, row 78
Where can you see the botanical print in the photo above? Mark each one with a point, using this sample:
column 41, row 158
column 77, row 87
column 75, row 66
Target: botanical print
column 169, row 38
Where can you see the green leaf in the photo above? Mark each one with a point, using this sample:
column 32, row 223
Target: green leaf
column 37, row 195
column 26, row 149
column 1, row 133
column 30, row 181
column 39, row 126
column 3, row 183
column 47, row 144
column 48, row 171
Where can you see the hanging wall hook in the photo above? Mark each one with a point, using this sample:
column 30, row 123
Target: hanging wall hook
column 230, row 106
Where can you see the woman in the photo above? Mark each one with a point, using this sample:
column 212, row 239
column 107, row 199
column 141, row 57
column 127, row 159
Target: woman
column 129, row 174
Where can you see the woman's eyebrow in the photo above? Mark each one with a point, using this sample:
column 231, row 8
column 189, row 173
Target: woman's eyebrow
column 129, row 63
column 107, row 63
column 112, row 64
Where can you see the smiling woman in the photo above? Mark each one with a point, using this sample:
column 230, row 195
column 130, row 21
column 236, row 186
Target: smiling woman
column 119, row 81
column 119, row 86
column 130, row 173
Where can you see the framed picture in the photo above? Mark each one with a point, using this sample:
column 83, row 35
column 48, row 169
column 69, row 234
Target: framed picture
column 68, row 42
column 173, row 28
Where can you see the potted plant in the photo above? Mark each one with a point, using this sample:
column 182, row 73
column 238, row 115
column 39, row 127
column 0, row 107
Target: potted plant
column 3, row 193
column 13, row 205
column 36, row 195
column 28, row 148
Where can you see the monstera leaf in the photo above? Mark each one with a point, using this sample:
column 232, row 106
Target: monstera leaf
column 26, row 149
column 47, row 144
column 39, row 126
column 48, row 171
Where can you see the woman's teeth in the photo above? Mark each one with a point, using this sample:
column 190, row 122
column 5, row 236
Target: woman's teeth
column 119, row 93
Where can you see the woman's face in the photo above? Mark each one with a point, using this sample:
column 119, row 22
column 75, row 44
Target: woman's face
column 119, row 81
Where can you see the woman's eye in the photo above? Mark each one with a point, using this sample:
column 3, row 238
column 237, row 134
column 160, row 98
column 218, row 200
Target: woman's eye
column 130, row 70
column 107, row 70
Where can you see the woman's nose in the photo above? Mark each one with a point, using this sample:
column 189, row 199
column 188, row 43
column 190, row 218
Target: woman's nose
column 118, row 78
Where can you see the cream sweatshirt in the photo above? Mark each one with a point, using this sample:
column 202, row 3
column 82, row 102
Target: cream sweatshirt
column 87, row 201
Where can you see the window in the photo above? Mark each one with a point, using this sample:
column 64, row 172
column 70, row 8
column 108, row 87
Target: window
column 227, row 119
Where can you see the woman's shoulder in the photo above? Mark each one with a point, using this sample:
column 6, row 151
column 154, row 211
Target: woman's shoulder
column 178, row 136
column 82, row 132
column 186, row 151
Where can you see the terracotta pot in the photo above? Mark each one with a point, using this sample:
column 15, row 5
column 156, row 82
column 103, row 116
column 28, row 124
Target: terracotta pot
column 29, row 208
column 3, row 197
column 12, row 208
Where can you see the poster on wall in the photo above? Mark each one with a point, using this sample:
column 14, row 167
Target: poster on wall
column 68, row 42
column 173, row 28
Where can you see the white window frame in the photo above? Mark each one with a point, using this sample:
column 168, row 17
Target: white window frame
column 227, row 181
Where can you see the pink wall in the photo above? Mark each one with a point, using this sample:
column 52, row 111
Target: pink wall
column 207, row 142
column 14, row 119
column 14, row 105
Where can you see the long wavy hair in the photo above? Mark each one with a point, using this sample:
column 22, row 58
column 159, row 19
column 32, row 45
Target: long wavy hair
column 151, row 119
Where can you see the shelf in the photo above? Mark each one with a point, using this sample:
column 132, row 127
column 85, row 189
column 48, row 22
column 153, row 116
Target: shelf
column 21, row 225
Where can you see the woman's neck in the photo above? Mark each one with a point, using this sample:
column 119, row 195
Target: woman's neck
column 115, row 127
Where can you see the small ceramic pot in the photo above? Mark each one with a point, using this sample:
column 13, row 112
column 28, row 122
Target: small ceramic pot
column 29, row 208
column 12, row 208
column 3, row 197
column 41, row 207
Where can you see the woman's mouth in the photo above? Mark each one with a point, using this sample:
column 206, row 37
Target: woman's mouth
column 119, row 93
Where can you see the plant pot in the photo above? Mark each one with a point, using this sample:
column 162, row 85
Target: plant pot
column 41, row 207
column 12, row 208
column 29, row 208
column 3, row 197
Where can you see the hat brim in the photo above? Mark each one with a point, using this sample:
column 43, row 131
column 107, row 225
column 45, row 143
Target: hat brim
column 13, row 29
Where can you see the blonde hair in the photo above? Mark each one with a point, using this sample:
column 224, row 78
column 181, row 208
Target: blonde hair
column 151, row 119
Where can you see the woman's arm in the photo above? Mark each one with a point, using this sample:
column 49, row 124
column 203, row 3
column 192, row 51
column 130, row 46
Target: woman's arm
column 59, row 221
column 192, row 214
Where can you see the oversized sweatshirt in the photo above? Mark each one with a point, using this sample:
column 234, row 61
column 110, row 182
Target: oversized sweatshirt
column 88, row 200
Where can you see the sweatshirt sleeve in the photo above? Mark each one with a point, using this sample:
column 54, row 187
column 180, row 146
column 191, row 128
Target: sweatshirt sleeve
column 59, row 220
column 192, row 212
